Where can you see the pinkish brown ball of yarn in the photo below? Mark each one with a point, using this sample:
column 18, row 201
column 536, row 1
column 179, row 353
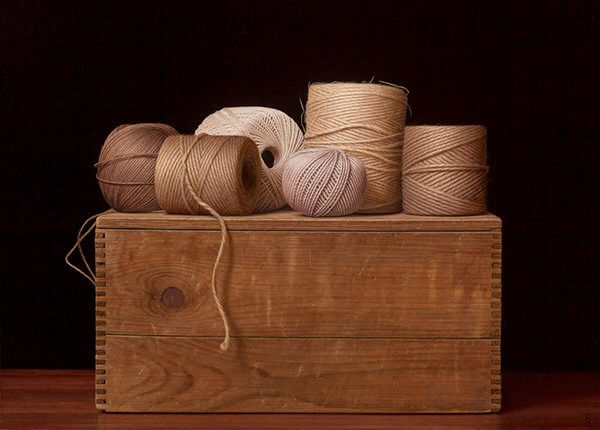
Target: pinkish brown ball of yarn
column 324, row 182
column 127, row 163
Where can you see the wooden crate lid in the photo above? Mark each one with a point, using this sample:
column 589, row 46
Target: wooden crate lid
column 289, row 220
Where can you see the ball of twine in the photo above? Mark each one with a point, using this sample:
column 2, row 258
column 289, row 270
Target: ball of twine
column 276, row 135
column 325, row 182
column 367, row 121
column 220, row 171
column 126, row 166
column 444, row 170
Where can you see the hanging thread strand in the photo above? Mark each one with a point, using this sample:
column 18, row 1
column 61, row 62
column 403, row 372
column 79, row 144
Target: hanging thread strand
column 215, row 175
column 213, row 283
column 90, row 275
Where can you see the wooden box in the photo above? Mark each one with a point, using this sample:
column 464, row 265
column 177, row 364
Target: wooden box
column 386, row 313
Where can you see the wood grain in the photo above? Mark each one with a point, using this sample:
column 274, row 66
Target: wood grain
column 156, row 373
column 289, row 220
column 303, row 284
column 366, row 314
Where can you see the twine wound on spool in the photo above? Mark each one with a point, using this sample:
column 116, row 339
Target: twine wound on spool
column 221, row 171
column 324, row 182
column 126, row 166
column 444, row 170
column 209, row 174
column 276, row 135
column 367, row 121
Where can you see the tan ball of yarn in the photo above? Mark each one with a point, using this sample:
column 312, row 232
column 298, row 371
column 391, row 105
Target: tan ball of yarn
column 325, row 182
column 127, row 163
column 276, row 135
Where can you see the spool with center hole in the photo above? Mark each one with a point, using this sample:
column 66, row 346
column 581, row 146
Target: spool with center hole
column 276, row 135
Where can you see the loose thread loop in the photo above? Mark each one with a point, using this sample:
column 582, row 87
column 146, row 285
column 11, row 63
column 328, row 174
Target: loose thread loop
column 302, row 124
column 90, row 276
column 226, row 341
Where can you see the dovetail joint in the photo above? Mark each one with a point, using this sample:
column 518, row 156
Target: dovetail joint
column 496, row 322
column 101, row 375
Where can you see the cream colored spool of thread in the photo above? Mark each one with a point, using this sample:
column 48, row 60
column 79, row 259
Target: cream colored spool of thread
column 126, row 166
column 324, row 182
column 366, row 121
column 276, row 135
column 221, row 171
column 445, row 171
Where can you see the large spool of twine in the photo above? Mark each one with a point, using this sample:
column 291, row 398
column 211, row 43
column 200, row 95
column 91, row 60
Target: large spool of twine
column 367, row 121
column 276, row 135
column 444, row 170
column 126, row 166
column 223, row 172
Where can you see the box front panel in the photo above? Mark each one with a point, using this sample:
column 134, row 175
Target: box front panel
column 301, row 284
column 191, row 374
column 337, row 322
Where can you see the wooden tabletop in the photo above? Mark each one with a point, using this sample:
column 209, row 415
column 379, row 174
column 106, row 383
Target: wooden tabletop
column 286, row 219
column 52, row 399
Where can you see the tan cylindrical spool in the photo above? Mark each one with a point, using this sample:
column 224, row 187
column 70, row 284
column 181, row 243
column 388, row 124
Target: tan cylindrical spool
column 367, row 121
column 221, row 171
column 444, row 170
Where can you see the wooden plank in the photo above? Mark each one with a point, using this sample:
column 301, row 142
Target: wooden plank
column 303, row 284
column 191, row 374
column 290, row 220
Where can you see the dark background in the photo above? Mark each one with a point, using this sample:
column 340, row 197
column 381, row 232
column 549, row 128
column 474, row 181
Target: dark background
column 527, row 70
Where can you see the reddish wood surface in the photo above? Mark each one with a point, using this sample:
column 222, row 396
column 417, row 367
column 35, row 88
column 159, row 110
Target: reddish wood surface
column 36, row 399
